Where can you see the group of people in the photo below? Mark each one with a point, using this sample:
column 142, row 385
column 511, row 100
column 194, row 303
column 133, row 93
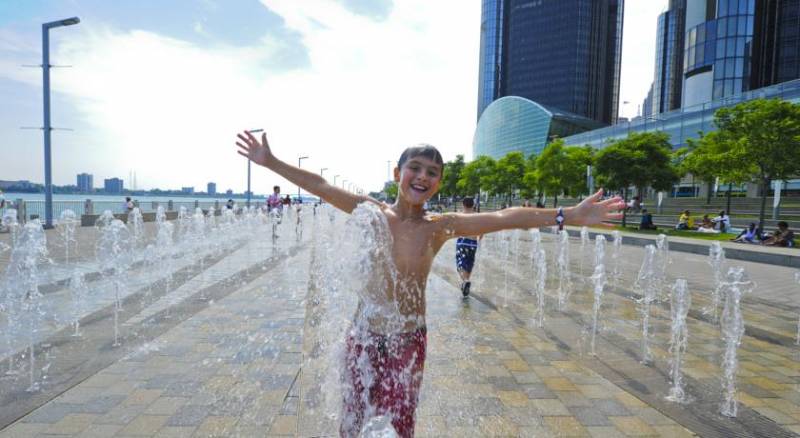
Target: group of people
column 719, row 224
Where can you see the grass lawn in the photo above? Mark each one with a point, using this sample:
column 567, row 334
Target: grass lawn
column 678, row 233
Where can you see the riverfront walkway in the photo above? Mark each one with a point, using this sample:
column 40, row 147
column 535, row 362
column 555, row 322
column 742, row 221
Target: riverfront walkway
column 221, row 354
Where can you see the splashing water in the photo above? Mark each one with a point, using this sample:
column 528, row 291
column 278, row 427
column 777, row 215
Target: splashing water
column 660, row 266
column 112, row 250
column 505, row 242
column 136, row 223
column 10, row 223
column 599, row 280
column 77, row 291
column 358, row 332
column 539, row 262
column 647, row 286
column 378, row 427
column 66, row 229
column 616, row 255
column 732, row 325
column 584, row 243
column 680, row 303
column 562, row 265
column 21, row 293
column 600, row 250
column 716, row 259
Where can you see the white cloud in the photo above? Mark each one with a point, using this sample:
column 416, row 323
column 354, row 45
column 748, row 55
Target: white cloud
column 170, row 109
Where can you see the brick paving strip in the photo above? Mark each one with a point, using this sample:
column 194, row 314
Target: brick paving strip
column 618, row 356
column 79, row 359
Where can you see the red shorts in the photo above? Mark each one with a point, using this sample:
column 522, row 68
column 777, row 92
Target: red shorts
column 383, row 374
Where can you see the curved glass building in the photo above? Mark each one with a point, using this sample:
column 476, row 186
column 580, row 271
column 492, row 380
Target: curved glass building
column 513, row 123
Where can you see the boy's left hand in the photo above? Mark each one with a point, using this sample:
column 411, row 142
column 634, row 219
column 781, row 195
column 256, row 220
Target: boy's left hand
column 594, row 211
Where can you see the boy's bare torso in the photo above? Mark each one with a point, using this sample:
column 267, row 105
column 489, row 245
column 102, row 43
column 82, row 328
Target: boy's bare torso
column 415, row 243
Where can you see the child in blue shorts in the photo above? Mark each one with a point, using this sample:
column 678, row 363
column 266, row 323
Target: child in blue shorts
column 465, row 251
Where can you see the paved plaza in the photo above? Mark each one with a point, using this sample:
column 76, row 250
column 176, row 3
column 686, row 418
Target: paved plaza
column 219, row 351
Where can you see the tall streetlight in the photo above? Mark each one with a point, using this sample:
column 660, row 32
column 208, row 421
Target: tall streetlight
column 249, row 192
column 343, row 183
column 299, row 160
column 334, row 179
column 321, row 171
column 48, row 178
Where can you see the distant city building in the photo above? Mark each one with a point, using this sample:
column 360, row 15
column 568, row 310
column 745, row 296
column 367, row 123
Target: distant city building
column 562, row 54
column 733, row 46
column 21, row 184
column 212, row 188
column 513, row 123
column 85, row 182
column 229, row 192
column 668, row 80
column 113, row 185
column 187, row 190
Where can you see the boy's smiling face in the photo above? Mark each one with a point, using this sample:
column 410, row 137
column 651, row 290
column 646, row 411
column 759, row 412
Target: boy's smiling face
column 418, row 180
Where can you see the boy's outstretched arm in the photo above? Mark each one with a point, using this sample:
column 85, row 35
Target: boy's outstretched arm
column 260, row 153
column 591, row 211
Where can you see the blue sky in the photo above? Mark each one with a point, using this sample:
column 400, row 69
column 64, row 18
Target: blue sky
column 161, row 87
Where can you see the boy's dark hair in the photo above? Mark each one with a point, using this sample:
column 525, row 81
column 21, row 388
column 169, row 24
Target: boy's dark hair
column 783, row 224
column 644, row 210
column 421, row 150
column 468, row 202
column 278, row 188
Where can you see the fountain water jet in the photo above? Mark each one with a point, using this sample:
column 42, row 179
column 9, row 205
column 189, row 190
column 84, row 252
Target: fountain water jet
column 584, row 243
column 539, row 262
column 716, row 258
column 562, row 265
column 616, row 255
column 112, row 250
column 680, row 303
column 22, row 297
column 66, row 229
column 599, row 280
column 78, row 291
column 732, row 325
column 647, row 285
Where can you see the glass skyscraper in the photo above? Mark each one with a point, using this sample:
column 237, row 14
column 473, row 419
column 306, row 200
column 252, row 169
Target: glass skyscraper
column 564, row 54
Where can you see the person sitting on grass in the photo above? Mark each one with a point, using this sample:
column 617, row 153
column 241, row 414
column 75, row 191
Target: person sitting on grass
column 783, row 236
column 685, row 221
column 723, row 222
column 707, row 226
column 748, row 235
column 396, row 352
column 647, row 221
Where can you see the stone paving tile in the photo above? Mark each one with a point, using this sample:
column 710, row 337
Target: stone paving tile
column 487, row 375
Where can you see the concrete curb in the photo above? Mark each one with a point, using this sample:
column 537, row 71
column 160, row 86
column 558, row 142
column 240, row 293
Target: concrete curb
column 771, row 258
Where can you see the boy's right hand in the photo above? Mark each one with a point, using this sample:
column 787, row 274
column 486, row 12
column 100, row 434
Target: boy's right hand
column 254, row 151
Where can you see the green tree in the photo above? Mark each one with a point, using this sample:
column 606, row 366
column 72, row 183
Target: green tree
column 451, row 175
column 391, row 190
column 578, row 157
column 757, row 140
column 508, row 174
column 551, row 168
column 640, row 160
column 476, row 176
column 530, row 184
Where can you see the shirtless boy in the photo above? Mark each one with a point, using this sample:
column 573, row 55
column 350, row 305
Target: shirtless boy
column 398, row 352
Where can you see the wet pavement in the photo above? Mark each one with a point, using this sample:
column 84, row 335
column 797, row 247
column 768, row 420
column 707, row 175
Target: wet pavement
column 221, row 354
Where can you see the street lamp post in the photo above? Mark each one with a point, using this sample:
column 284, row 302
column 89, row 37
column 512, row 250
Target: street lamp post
column 249, row 192
column 343, row 183
column 334, row 179
column 321, row 171
column 48, row 179
column 299, row 160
